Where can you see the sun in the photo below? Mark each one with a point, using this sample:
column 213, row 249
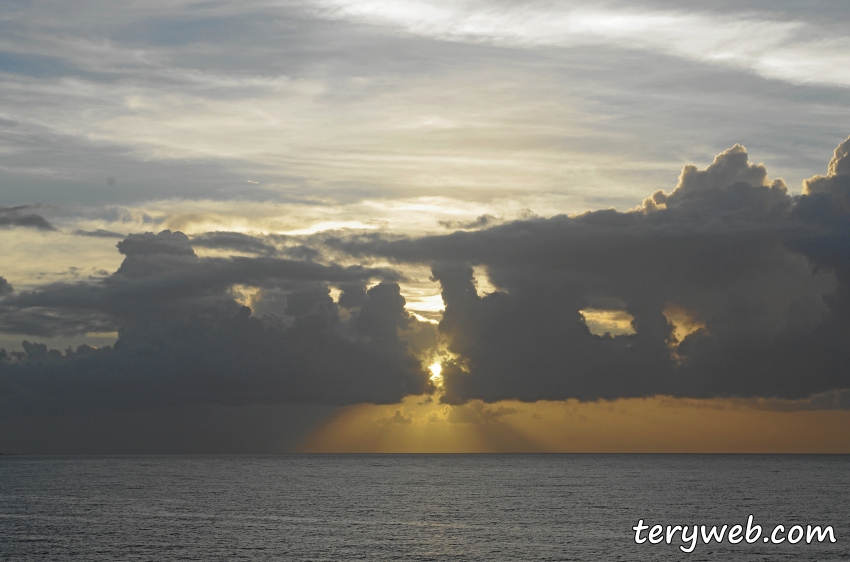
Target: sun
column 436, row 373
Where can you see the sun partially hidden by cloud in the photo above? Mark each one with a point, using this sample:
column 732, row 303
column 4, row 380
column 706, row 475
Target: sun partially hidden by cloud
column 436, row 373
column 456, row 226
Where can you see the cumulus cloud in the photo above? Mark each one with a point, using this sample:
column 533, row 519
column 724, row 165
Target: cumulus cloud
column 761, row 276
column 184, row 339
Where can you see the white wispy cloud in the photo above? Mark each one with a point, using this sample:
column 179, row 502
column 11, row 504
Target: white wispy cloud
column 793, row 51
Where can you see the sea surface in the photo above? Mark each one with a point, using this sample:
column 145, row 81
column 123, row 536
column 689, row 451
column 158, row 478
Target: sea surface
column 412, row 507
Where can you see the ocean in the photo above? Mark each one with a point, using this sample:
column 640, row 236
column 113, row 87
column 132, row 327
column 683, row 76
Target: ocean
column 415, row 507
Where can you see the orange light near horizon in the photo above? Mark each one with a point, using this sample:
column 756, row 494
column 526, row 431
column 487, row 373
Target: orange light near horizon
column 421, row 424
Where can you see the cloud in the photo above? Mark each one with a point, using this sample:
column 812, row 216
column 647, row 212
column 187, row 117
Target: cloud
column 99, row 233
column 784, row 50
column 148, row 244
column 235, row 241
column 762, row 277
column 840, row 163
column 397, row 417
column 484, row 221
column 831, row 400
column 231, row 359
column 161, row 275
column 834, row 183
column 197, row 429
column 472, row 120
column 5, row 287
column 184, row 339
column 734, row 288
column 19, row 216
column 476, row 413
column 480, row 222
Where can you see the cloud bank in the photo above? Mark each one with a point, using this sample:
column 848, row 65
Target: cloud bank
column 756, row 279
column 184, row 339
column 735, row 289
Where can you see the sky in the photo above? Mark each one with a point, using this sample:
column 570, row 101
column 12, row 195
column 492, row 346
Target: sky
column 424, row 226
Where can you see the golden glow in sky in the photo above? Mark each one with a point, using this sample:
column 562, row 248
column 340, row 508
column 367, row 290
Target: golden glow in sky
column 651, row 425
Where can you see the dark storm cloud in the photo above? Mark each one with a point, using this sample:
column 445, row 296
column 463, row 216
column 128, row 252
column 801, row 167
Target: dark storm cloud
column 21, row 216
column 162, row 274
column 762, row 274
column 183, row 339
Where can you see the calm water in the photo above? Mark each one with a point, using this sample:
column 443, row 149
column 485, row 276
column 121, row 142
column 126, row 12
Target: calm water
column 410, row 507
